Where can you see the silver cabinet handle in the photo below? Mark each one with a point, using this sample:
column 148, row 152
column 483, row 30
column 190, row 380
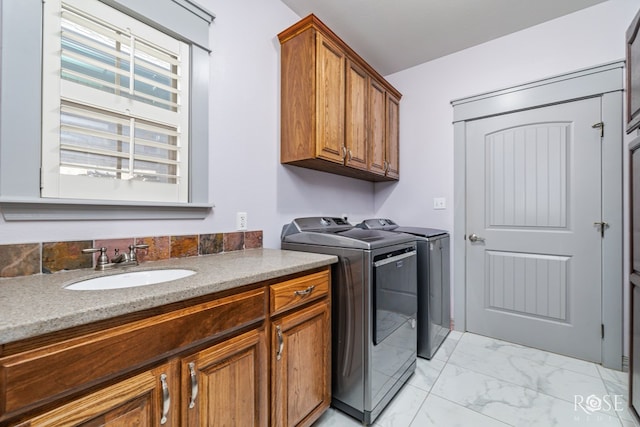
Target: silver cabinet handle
column 166, row 399
column 305, row 292
column 349, row 155
column 475, row 238
column 412, row 322
column 194, row 385
column 344, row 152
column 280, row 343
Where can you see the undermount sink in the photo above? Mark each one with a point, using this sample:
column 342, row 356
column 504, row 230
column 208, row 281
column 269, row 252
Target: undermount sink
column 130, row 279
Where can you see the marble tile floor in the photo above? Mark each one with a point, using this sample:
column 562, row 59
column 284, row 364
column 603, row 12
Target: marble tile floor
column 482, row 382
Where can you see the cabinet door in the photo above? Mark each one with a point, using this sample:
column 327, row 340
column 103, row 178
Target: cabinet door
column 393, row 137
column 227, row 384
column 143, row 400
column 377, row 128
column 301, row 366
column 356, row 110
column 634, row 368
column 330, row 87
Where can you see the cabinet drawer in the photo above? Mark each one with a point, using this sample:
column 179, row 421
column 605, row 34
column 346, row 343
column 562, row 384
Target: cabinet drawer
column 298, row 291
column 37, row 376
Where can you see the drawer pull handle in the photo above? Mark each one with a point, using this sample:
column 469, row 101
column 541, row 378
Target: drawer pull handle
column 280, row 343
column 166, row 399
column 194, row 385
column 305, row 292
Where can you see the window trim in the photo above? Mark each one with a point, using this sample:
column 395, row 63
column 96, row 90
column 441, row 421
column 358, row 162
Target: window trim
column 20, row 116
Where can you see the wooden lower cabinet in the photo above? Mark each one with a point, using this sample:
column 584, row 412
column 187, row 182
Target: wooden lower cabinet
column 142, row 400
column 227, row 384
column 300, row 366
column 202, row 365
column 223, row 385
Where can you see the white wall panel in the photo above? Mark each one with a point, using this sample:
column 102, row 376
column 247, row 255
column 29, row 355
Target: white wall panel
column 527, row 176
column 528, row 284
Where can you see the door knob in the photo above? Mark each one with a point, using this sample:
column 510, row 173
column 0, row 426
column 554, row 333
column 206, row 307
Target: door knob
column 475, row 238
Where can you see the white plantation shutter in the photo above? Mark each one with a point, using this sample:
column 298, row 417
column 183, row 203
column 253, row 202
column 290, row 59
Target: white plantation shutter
column 115, row 106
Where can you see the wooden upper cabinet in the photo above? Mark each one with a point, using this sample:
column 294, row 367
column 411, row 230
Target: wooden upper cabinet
column 328, row 106
column 330, row 95
column 377, row 128
column 393, row 137
column 356, row 120
column 384, row 132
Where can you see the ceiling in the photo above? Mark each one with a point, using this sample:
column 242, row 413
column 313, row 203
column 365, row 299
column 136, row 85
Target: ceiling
column 393, row 35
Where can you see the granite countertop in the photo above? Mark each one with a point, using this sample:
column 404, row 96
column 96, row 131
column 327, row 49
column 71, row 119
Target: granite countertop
column 35, row 305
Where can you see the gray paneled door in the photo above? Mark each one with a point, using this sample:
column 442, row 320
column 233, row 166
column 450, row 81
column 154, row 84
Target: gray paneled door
column 533, row 196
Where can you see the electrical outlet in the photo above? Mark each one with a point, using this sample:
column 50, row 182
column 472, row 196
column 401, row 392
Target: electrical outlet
column 241, row 221
column 439, row 203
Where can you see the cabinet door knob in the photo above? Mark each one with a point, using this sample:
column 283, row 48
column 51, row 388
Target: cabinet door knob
column 166, row 399
column 194, row 385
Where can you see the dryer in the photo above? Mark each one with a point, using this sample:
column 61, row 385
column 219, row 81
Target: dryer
column 434, row 289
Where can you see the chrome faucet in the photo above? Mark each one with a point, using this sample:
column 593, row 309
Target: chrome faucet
column 119, row 260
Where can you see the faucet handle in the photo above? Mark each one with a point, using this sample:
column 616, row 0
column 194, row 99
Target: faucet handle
column 132, row 251
column 103, row 259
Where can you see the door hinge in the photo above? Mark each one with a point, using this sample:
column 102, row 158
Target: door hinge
column 600, row 126
column 602, row 330
column 602, row 226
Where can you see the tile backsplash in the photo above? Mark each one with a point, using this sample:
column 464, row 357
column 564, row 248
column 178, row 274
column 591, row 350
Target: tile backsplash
column 25, row 259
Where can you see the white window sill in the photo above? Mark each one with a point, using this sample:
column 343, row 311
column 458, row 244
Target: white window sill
column 83, row 210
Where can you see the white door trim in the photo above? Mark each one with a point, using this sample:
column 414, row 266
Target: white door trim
column 605, row 81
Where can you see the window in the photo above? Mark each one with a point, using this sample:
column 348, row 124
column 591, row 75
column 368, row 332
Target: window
column 115, row 106
column 124, row 133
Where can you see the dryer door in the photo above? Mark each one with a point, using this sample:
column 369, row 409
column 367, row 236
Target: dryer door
column 395, row 296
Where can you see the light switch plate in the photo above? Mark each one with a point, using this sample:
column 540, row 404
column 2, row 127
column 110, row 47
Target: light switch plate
column 439, row 203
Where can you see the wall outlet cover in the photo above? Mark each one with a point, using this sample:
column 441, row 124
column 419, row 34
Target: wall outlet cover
column 241, row 221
